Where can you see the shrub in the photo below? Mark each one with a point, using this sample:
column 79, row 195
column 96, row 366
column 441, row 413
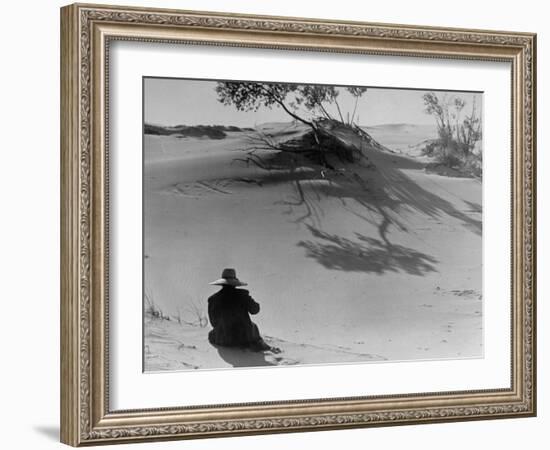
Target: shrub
column 459, row 134
column 469, row 164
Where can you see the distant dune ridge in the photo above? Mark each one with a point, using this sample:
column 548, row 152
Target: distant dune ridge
column 209, row 131
column 403, row 127
column 402, row 136
column 387, row 134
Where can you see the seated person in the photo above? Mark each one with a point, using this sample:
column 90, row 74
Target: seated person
column 228, row 311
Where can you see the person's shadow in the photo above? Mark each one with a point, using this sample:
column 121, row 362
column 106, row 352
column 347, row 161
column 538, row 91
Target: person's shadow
column 239, row 357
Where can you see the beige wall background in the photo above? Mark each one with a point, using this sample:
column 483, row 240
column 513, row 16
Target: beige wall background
column 29, row 222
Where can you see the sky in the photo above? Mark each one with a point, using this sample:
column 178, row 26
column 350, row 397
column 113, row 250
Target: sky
column 169, row 101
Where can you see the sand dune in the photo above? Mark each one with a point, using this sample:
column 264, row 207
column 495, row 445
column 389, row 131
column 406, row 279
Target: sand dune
column 171, row 346
column 404, row 138
column 380, row 259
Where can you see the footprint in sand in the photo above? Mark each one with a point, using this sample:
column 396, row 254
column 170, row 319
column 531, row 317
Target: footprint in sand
column 211, row 187
column 201, row 188
column 467, row 294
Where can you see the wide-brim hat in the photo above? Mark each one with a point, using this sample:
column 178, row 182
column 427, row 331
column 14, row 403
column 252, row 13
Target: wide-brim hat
column 229, row 278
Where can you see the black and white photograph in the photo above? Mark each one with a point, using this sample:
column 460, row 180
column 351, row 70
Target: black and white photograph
column 290, row 224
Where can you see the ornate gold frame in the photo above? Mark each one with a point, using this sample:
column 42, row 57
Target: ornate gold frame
column 86, row 31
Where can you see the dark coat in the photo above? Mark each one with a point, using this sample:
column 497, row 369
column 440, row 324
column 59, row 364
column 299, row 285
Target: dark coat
column 228, row 311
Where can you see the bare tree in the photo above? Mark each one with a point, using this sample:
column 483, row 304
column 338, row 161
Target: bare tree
column 307, row 104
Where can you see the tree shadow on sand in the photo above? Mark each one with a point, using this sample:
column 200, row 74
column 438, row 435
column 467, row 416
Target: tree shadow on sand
column 383, row 189
column 388, row 191
column 365, row 255
column 400, row 187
